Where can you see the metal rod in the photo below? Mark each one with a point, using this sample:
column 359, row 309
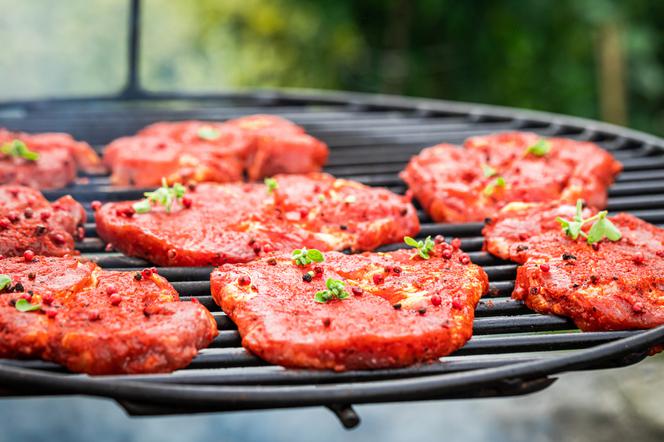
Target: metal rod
column 133, row 88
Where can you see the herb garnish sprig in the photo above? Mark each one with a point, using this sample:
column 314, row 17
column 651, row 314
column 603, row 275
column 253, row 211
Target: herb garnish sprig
column 18, row 149
column 488, row 171
column 539, row 149
column 208, row 133
column 493, row 185
column 424, row 248
column 602, row 227
column 271, row 184
column 335, row 290
column 304, row 256
column 165, row 196
column 5, row 281
column 23, row 305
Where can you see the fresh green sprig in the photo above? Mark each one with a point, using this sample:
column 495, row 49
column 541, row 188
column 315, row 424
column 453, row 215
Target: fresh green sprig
column 304, row 256
column 271, row 184
column 335, row 290
column 208, row 133
column 18, row 149
column 165, row 196
column 490, row 188
column 23, row 305
column 602, row 227
column 5, row 281
column 424, row 248
column 488, row 171
column 539, row 149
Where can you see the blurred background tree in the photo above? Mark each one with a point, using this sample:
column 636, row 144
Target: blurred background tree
column 594, row 58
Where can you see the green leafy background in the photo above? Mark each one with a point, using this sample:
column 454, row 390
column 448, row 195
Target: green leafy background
column 595, row 58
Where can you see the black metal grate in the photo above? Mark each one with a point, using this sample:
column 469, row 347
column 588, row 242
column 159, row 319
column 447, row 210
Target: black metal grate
column 513, row 350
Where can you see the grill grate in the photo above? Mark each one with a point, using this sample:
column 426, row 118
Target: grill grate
column 513, row 350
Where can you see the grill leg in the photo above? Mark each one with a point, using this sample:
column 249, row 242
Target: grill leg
column 346, row 415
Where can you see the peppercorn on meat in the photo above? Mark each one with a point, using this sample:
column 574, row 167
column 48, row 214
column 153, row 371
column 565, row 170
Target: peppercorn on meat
column 612, row 283
column 214, row 224
column 372, row 310
column 196, row 151
column 44, row 161
column 29, row 223
column 470, row 184
column 98, row 322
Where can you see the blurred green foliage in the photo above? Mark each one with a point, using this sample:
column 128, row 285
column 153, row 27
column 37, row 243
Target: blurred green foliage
column 595, row 58
column 535, row 54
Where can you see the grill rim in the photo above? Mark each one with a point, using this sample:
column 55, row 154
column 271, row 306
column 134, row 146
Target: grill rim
column 624, row 350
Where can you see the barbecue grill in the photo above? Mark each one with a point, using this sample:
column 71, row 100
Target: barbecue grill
column 513, row 351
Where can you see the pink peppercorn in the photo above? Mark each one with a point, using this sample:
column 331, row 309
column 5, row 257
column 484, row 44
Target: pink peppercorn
column 436, row 300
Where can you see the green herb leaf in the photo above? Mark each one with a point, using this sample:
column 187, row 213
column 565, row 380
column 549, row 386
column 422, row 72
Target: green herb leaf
column 143, row 206
column 335, row 289
column 22, row 305
column 315, row 255
column 5, row 281
column 410, row 241
column 602, row 227
column 304, row 256
column 488, row 171
column 271, row 184
column 208, row 133
column 165, row 196
column 424, row 248
column 18, row 149
column 539, row 149
column 491, row 187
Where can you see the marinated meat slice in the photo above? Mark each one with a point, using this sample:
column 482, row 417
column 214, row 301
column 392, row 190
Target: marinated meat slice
column 610, row 285
column 264, row 124
column 59, row 157
column 238, row 222
column 280, row 146
column 197, row 151
column 401, row 309
column 29, row 222
column 461, row 185
column 98, row 322
column 179, row 153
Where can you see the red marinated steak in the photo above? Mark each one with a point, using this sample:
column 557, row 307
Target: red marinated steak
column 44, row 161
column 396, row 309
column 197, row 151
column 607, row 285
column 97, row 322
column 28, row 222
column 219, row 223
column 470, row 184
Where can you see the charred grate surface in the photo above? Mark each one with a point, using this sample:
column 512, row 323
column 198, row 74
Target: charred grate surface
column 371, row 139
